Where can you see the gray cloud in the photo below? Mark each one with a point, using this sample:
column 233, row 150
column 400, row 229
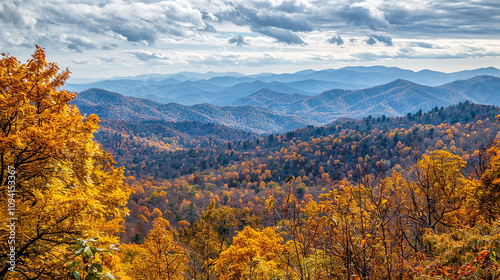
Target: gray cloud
column 14, row 12
column 74, row 47
column 282, row 21
column 272, row 22
column 109, row 47
column 238, row 40
column 138, row 34
column 380, row 38
column 424, row 45
column 265, row 15
column 134, row 21
column 77, row 42
column 336, row 40
column 365, row 14
column 447, row 19
column 284, row 36
column 371, row 41
column 203, row 27
column 147, row 21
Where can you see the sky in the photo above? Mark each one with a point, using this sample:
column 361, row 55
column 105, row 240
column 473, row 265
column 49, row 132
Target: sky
column 99, row 39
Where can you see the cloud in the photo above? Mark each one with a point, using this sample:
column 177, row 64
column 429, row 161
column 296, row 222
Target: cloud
column 238, row 40
column 78, row 42
column 109, row 47
column 81, row 61
column 283, row 21
column 336, row 40
column 14, row 12
column 365, row 14
column 134, row 21
column 268, row 20
column 424, row 45
column 445, row 19
column 372, row 40
column 164, row 29
column 144, row 55
column 284, row 36
column 292, row 6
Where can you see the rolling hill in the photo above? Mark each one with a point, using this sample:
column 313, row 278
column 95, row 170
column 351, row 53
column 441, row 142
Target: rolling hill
column 111, row 105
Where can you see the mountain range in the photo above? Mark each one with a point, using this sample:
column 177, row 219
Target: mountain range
column 114, row 106
column 393, row 99
column 225, row 88
column 268, row 111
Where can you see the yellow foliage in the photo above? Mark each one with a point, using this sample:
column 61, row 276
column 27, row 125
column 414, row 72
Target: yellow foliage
column 253, row 255
column 66, row 186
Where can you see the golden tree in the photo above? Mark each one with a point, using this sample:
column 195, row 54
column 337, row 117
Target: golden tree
column 254, row 254
column 63, row 185
column 160, row 257
column 433, row 192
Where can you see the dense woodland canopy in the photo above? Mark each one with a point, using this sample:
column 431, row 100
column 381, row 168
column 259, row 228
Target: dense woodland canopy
column 413, row 197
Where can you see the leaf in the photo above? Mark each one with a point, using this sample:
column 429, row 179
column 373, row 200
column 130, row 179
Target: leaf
column 70, row 265
column 88, row 251
column 78, row 252
column 109, row 276
column 76, row 275
column 271, row 203
column 98, row 267
column 90, row 277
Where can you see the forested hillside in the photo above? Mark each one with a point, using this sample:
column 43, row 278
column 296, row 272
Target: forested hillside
column 241, row 169
column 112, row 105
column 350, row 198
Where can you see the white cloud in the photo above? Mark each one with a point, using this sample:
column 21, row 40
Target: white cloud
column 148, row 55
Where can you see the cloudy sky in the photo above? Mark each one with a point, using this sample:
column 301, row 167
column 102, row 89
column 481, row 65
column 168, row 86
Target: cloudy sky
column 97, row 38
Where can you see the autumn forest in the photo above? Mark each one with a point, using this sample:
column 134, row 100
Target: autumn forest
column 408, row 197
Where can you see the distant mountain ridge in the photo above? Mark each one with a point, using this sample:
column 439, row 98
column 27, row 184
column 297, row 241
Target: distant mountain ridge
column 393, row 99
column 225, row 88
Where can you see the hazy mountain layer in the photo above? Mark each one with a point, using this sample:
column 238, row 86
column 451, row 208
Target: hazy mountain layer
column 225, row 88
column 393, row 99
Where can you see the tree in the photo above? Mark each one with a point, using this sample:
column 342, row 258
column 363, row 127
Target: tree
column 432, row 193
column 488, row 195
column 160, row 256
column 254, row 254
column 64, row 185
